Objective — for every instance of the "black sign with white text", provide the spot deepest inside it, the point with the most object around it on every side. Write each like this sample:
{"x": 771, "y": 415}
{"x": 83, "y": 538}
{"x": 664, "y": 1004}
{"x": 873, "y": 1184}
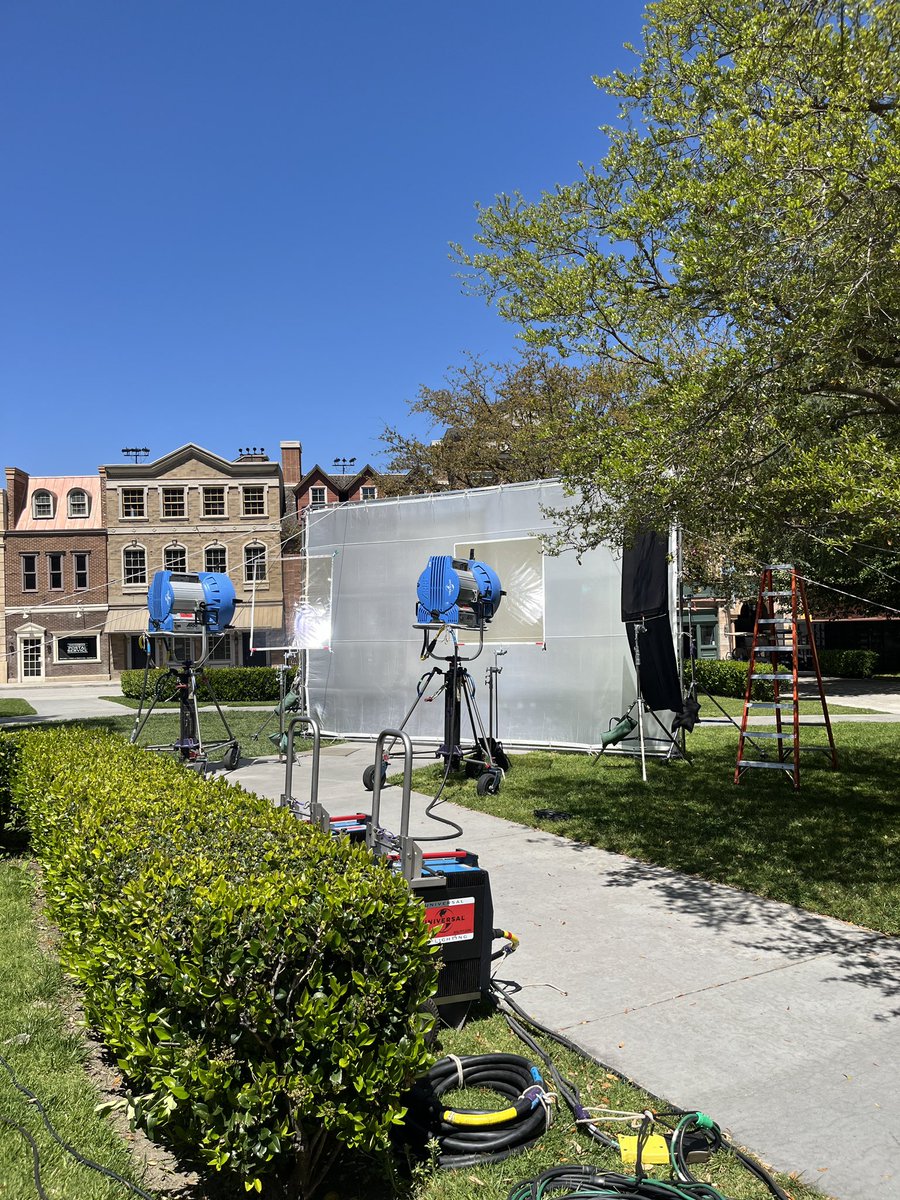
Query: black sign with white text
{"x": 78, "y": 647}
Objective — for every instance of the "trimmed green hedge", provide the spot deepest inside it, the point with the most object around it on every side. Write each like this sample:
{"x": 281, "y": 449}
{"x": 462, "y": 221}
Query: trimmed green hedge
{"x": 259, "y": 982}
{"x": 230, "y": 683}
{"x": 723, "y": 677}
{"x": 856, "y": 664}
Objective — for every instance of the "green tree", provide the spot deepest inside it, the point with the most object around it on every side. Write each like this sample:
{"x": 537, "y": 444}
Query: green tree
{"x": 737, "y": 250}
{"x": 497, "y": 423}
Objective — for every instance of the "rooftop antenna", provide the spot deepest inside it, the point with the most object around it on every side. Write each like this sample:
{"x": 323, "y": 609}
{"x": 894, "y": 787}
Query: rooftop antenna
{"x": 341, "y": 465}
{"x": 138, "y": 453}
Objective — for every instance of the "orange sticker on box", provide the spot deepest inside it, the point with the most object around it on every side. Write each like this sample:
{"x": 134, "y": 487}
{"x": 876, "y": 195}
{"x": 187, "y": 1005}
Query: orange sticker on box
{"x": 452, "y": 920}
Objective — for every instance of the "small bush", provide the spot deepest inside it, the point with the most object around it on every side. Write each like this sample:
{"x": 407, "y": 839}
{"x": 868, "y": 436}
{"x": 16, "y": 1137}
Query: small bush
{"x": 229, "y": 683}
{"x": 722, "y": 677}
{"x": 258, "y": 981}
{"x": 855, "y": 664}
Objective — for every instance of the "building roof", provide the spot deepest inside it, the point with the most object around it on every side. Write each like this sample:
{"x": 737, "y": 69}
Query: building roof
{"x": 59, "y": 487}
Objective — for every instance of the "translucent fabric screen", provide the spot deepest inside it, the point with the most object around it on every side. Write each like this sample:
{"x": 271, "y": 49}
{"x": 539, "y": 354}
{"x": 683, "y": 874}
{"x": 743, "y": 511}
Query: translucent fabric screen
{"x": 567, "y": 671}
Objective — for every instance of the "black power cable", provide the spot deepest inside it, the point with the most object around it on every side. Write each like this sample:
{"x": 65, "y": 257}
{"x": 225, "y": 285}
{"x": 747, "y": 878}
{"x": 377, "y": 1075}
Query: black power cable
{"x": 470, "y": 1137}
{"x": 80, "y": 1158}
{"x": 35, "y": 1157}
{"x": 688, "y": 1125}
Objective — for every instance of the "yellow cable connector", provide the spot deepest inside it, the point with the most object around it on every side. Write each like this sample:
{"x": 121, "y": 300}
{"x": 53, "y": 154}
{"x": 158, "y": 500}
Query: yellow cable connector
{"x": 655, "y": 1150}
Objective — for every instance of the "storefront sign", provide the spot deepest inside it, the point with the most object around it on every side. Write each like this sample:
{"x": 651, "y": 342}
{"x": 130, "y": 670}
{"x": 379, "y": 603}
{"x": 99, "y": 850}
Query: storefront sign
{"x": 78, "y": 648}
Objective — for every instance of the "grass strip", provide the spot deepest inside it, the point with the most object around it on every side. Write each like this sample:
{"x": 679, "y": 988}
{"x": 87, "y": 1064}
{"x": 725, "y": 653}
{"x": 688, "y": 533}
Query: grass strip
{"x": 14, "y": 706}
{"x": 49, "y": 1059}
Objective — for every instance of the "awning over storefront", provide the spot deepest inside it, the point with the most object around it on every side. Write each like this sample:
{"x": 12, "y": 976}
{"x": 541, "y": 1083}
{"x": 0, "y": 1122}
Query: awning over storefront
{"x": 126, "y": 620}
{"x": 265, "y": 616}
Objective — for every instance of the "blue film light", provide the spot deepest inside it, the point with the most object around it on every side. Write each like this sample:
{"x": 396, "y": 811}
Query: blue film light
{"x": 179, "y": 602}
{"x": 457, "y": 591}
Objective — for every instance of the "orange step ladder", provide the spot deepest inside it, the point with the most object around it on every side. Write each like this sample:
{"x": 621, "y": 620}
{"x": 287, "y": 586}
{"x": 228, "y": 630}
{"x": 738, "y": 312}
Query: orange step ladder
{"x": 775, "y": 639}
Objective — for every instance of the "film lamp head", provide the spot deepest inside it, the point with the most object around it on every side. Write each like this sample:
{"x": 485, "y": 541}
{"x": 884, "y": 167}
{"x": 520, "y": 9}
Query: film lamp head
{"x": 457, "y": 591}
{"x": 184, "y": 604}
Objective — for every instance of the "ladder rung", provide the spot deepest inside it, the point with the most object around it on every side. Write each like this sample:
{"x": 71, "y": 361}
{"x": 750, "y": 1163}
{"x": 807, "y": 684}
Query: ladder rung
{"x": 779, "y": 567}
{"x": 773, "y": 649}
{"x": 782, "y": 676}
{"x": 787, "y": 593}
{"x": 768, "y": 704}
{"x": 776, "y": 621}
{"x": 758, "y": 734}
{"x": 776, "y": 766}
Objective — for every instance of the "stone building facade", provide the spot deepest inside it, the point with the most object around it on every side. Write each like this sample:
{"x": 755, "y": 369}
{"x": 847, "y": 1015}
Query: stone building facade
{"x": 194, "y": 511}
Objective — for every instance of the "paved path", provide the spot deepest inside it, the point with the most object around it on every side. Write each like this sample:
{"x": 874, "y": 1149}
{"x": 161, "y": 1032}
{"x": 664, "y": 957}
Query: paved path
{"x": 783, "y": 1025}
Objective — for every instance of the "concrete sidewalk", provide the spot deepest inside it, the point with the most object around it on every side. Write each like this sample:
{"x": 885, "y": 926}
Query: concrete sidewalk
{"x": 783, "y": 1025}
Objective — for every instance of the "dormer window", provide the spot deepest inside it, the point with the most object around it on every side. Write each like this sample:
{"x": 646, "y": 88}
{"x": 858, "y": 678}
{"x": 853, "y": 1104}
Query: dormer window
{"x": 42, "y": 505}
{"x": 79, "y": 505}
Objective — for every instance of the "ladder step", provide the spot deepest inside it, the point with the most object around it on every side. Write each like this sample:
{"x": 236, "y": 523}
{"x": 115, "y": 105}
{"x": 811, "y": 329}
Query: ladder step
{"x": 782, "y": 676}
{"x": 772, "y": 766}
{"x": 787, "y": 593}
{"x": 774, "y": 649}
{"x": 775, "y": 621}
{"x": 756, "y": 733}
{"x": 779, "y": 567}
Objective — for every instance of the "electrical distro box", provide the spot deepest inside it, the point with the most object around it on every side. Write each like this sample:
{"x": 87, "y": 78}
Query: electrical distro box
{"x": 456, "y": 893}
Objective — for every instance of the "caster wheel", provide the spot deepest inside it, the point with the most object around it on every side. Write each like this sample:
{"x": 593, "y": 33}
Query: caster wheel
{"x": 369, "y": 777}
{"x": 488, "y": 784}
{"x": 232, "y": 756}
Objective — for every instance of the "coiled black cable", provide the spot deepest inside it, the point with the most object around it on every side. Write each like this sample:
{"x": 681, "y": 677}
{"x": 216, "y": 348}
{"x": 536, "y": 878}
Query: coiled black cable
{"x": 594, "y": 1183}
{"x": 467, "y": 1137}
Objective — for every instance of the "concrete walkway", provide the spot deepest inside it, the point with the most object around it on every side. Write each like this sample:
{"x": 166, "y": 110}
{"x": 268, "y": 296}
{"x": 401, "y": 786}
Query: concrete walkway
{"x": 783, "y": 1025}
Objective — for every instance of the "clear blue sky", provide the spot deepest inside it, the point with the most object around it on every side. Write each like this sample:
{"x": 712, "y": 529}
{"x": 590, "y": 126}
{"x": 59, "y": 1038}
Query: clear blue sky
{"x": 227, "y": 221}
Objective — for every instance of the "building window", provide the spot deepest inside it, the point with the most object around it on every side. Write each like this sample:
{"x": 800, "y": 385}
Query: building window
{"x": 29, "y": 572}
{"x": 80, "y": 562}
{"x": 173, "y": 502}
{"x": 134, "y": 502}
{"x": 214, "y": 502}
{"x": 134, "y": 563}
{"x": 184, "y": 649}
{"x": 254, "y": 563}
{"x": 254, "y": 501}
{"x": 215, "y": 558}
{"x": 42, "y": 505}
{"x": 175, "y": 559}
{"x": 55, "y": 572}
{"x": 369, "y": 493}
{"x": 79, "y": 505}
{"x": 317, "y": 497}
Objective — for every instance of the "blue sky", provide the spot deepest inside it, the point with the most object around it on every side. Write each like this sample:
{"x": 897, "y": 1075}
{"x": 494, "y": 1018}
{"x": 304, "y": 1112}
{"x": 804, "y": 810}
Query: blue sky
{"x": 227, "y": 221}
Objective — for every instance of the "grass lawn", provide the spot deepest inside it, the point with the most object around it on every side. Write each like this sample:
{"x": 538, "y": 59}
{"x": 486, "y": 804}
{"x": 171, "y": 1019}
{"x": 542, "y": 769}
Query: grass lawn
{"x": 735, "y": 708}
{"x": 47, "y": 1058}
{"x": 130, "y": 702}
{"x": 14, "y": 707}
{"x": 833, "y": 847}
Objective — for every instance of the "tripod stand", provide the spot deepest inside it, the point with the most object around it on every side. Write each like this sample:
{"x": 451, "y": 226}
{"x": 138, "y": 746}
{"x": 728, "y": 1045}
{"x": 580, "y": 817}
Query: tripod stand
{"x": 485, "y": 757}
{"x": 189, "y": 746}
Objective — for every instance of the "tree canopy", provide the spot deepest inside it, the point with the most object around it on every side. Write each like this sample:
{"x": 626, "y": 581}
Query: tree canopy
{"x": 736, "y": 251}
{"x": 498, "y": 423}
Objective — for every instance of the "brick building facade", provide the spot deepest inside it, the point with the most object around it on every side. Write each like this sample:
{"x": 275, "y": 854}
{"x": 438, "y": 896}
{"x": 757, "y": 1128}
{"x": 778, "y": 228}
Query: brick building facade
{"x": 55, "y": 578}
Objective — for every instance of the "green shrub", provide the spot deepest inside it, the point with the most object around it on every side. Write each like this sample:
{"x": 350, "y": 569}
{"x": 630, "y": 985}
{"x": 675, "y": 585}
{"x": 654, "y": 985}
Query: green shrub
{"x": 856, "y": 664}
{"x": 8, "y": 754}
{"x": 259, "y": 982}
{"x": 230, "y": 683}
{"x": 723, "y": 677}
